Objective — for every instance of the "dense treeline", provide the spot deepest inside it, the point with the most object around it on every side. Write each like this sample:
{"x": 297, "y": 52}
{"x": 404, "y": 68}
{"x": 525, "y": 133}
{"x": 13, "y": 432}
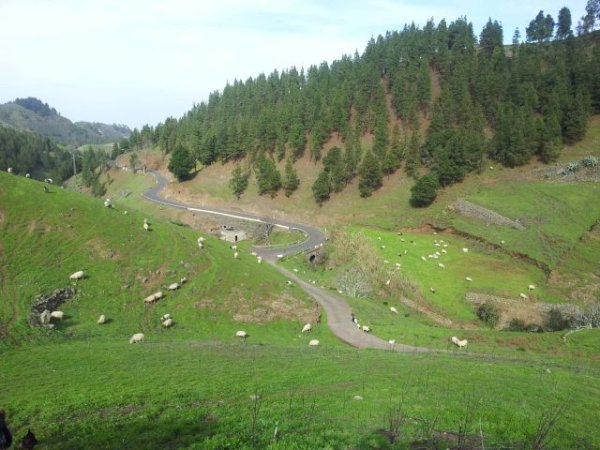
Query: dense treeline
{"x": 31, "y": 153}
{"x": 438, "y": 99}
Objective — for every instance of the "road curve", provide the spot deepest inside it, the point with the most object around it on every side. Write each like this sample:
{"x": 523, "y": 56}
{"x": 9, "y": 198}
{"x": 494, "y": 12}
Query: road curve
{"x": 337, "y": 309}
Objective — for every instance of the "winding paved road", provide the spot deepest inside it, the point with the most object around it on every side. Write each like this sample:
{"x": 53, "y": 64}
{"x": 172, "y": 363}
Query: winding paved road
{"x": 337, "y": 310}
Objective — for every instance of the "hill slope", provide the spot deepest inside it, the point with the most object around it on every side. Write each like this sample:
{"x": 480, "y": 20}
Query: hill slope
{"x": 195, "y": 386}
{"x": 33, "y": 115}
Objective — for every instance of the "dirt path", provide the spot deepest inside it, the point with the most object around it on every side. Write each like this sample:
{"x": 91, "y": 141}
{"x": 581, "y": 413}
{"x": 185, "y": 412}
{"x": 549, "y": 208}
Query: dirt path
{"x": 337, "y": 309}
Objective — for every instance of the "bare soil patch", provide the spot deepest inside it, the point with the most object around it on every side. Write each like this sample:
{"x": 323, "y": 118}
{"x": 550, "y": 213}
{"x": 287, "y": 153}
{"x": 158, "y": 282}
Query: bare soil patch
{"x": 101, "y": 250}
{"x": 250, "y": 309}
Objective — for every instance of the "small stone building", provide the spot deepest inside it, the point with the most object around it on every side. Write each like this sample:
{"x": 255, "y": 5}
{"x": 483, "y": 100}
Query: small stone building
{"x": 230, "y": 234}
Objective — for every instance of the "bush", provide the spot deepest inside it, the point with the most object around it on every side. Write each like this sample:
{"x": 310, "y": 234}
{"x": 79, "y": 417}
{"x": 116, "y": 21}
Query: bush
{"x": 556, "y": 321}
{"x": 488, "y": 313}
{"x": 589, "y": 161}
{"x": 517, "y": 325}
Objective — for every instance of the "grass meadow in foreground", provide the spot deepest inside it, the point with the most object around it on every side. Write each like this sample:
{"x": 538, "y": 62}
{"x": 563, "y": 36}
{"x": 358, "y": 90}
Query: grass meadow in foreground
{"x": 102, "y": 393}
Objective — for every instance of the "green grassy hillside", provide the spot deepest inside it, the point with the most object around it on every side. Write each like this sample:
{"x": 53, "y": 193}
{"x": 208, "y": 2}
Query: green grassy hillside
{"x": 83, "y": 385}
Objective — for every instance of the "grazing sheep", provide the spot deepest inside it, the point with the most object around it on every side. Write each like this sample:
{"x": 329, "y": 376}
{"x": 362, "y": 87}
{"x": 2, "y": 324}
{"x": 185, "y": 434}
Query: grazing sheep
{"x": 366, "y": 329}
{"x": 125, "y": 212}
{"x": 173, "y": 286}
{"x": 77, "y": 275}
{"x": 9, "y": 170}
{"x": 200, "y": 245}
{"x": 468, "y": 278}
{"x": 165, "y": 317}
{"x": 146, "y": 226}
{"x": 233, "y": 247}
{"x": 459, "y": 343}
{"x": 201, "y": 239}
{"x": 101, "y": 320}
{"x": 167, "y": 323}
{"x": 441, "y": 266}
{"x": 137, "y": 338}
{"x": 279, "y": 256}
{"x": 307, "y": 328}
{"x": 153, "y": 298}
{"x": 57, "y": 315}
{"x": 387, "y": 283}
{"x": 531, "y": 287}
{"x": 27, "y": 175}
{"x": 523, "y": 296}
{"x": 236, "y": 255}
{"x": 393, "y": 309}
{"x": 48, "y": 180}
{"x": 259, "y": 260}
{"x": 423, "y": 258}
{"x": 465, "y": 250}
{"x": 289, "y": 282}
{"x": 108, "y": 203}
{"x": 502, "y": 242}
{"x": 357, "y": 397}
{"x": 241, "y": 334}
{"x": 444, "y": 251}
{"x": 432, "y": 290}
{"x": 392, "y": 342}
{"x": 183, "y": 280}
{"x": 314, "y": 343}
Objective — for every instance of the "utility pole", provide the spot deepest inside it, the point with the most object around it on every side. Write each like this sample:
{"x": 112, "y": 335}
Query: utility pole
{"x": 74, "y": 165}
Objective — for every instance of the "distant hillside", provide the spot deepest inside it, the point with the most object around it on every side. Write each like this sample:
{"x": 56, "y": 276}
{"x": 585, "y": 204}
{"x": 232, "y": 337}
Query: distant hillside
{"x": 435, "y": 101}
{"x": 34, "y": 115}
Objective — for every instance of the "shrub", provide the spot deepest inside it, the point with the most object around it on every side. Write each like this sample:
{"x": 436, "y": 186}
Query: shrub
{"x": 556, "y": 321}
{"x": 589, "y": 161}
{"x": 517, "y": 325}
{"x": 488, "y": 313}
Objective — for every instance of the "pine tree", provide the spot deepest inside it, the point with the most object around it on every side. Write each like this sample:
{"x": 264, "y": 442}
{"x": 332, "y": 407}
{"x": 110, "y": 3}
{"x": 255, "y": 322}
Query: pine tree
{"x": 370, "y": 175}
{"x": 424, "y": 191}
{"x": 321, "y": 187}
{"x": 239, "y": 181}
{"x": 290, "y": 180}
{"x": 181, "y": 163}
{"x": 413, "y": 155}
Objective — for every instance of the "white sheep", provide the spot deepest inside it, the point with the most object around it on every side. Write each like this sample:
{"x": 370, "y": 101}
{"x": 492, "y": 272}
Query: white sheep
{"x": 259, "y": 260}
{"x": 146, "y": 226}
{"x": 392, "y": 342}
{"x": 167, "y": 323}
{"x": 233, "y": 247}
{"x": 241, "y": 334}
{"x": 459, "y": 343}
{"x": 201, "y": 239}
{"x": 523, "y": 296}
{"x": 27, "y": 175}
{"x": 531, "y": 287}
{"x": 183, "y": 280}
{"x": 314, "y": 343}
{"x": 387, "y": 283}
{"x": 468, "y": 278}
{"x": 465, "y": 250}
{"x": 173, "y": 286}
{"x": 77, "y": 275}
{"x": 153, "y": 298}
{"x": 137, "y": 338}
{"x": 307, "y": 328}
{"x": 423, "y": 258}
{"x": 9, "y": 170}
{"x": 366, "y": 329}
{"x": 57, "y": 315}
{"x": 101, "y": 320}
{"x": 236, "y": 255}
{"x": 125, "y": 212}
{"x": 289, "y": 283}
{"x": 48, "y": 180}
{"x": 108, "y": 203}
{"x": 441, "y": 265}
{"x": 165, "y": 317}
{"x": 502, "y": 242}
{"x": 432, "y": 290}
{"x": 393, "y": 309}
